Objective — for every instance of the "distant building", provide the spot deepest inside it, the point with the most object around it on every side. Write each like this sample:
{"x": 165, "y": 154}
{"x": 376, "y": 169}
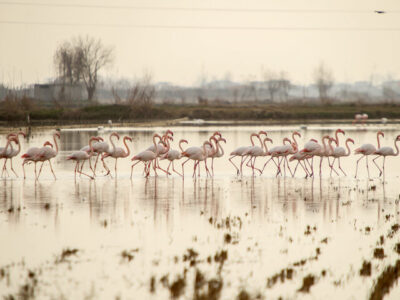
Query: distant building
{"x": 59, "y": 91}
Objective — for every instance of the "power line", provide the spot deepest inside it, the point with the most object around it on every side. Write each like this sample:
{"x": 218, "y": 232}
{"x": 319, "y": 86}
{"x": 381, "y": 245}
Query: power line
{"x": 156, "y": 26}
{"x": 191, "y": 9}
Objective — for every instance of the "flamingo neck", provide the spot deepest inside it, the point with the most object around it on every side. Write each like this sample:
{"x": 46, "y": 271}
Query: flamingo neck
{"x": 128, "y": 151}
{"x": 337, "y": 138}
{"x": 204, "y": 148}
{"x": 6, "y": 147}
{"x": 397, "y": 148}
{"x": 222, "y": 149}
{"x": 377, "y": 137}
{"x": 348, "y": 148}
{"x": 265, "y": 146}
{"x": 155, "y": 144}
{"x": 91, "y": 147}
{"x": 323, "y": 143}
{"x": 112, "y": 143}
{"x": 294, "y": 139}
{"x": 251, "y": 138}
{"x": 55, "y": 142}
{"x": 180, "y": 145}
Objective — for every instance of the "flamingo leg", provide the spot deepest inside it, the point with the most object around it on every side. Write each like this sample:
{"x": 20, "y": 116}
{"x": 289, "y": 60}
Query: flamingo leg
{"x": 358, "y": 160}
{"x": 80, "y": 172}
{"x": 40, "y": 170}
{"x": 304, "y": 168}
{"x": 212, "y": 166}
{"x": 341, "y": 168}
{"x": 95, "y": 164}
{"x": 366, "y": 159}
{"x": 158, "y": 167}
{"x": 287, "y": 163}
{"x": 23, "y": 168}
{"x": 183, "y": 169}
{"x": 380, "y": 171}
{"x": 169, "y": 165}
{"x": 207, "y": 170}
{"x": 331, "y": 166}
{"x": 133, "y": 166}
{"x": 36, "y": 178}
{"x": 237, "y": 169}
{"x": 52, "y": 171}
{"x": 173, "y": 169}
{"x": 320, "y": 166}
{"x": 383, "y": 167}
{"x": 12, "y": 169}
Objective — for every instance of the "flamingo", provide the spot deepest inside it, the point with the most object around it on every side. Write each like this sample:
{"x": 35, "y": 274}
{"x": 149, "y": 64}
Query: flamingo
{"x": 214, "y": 152}
{"x": 6, "y": 152}
{"x": 162, "y": 146}
{"x": 147, "y": 157}
{"x": 286, "y": 150}
{"x": 197, "y": 154}
{"x": 172, "y": 155}
{"x": 87, "y": 150}
{"x": 386, "y": 151}
{"x": 339, "y": 152}
{"x": 118, "y": 152}
{"x": 336, "y": 140}
{"x": 366, "y": 150}
{"x": 240, "y": 152}
{"x": 219, "y": 151}
{"x": 277, "y": 152}
{"x": 360, "y": 118}
{"x": 13, "y": 152}
{"x": 255, "y": 152}
{"x": 101, "y": 147}
{"x": 311, "y": 148}
{"x": 300, "y": 157}
{"x": 79, "y": 156}
{"x": 31, "y": 155}
{"x": 47, "y": 153}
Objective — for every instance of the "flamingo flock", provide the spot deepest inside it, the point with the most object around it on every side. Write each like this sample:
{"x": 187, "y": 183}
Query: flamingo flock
{"x": 278, "y": 157}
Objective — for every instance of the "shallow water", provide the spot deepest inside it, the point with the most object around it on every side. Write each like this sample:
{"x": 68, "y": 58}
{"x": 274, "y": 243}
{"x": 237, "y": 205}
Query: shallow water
{"x": 325, "y": 227}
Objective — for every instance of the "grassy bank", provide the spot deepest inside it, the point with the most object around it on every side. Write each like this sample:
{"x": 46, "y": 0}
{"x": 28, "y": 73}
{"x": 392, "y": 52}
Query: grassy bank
{"x": 95, "y": 114}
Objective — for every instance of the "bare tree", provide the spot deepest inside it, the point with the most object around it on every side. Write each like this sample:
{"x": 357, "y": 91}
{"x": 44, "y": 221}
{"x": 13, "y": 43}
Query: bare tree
{"x": 81, "y": 60}
{"x": 272, "y": 84}
{"x": 141, "y": 97}
{"x": 323, "y": 79}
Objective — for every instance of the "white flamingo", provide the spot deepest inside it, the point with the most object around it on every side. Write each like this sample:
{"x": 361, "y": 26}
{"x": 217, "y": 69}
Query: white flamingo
{"x": 241, "y": 150}
{"x": 255, "y": 152}
{"x": 31, "y": 155}
{"x": 146, "y": 157}
{"x": 197, "y": 154}
{"x": 118, "y": 152}
{"x": 339, "y": 152}
{"x": 366, "y": 150}
{"x": 173, "y": 155}
{"x": 80, "y": 156}
{"x": 9, "y": 155}
{"x": 386, "y": 151}
{"x": 7, "y": 151}
{"x": 47, "y": 153}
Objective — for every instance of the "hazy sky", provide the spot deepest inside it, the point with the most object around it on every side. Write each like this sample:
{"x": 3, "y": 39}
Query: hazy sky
{"x": 181, "y": 55}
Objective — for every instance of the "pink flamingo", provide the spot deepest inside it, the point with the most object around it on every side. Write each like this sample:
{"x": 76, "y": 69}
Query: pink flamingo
{"x": 255, "y": 152}
{"x": 101, "y": 147}
{"x": 288, "y": 149}
{"x": 360, "y": 118}
{"x": 79, "y": 156}
{"x": 197, "y": 154}
{"x": 162, "y": 147}
{"x": 241, "y": 150}
{"x": 386, "y": 151}
{"x": 47, "y": 153}
{"x": 119, "y": 152}
{"x": 276, "y": 152}
{"x": 311, "y": 148}
{"x": 339, "y": 152}
{"x": 6, "y": 152}
{"x": 147, "y": 157}
{"x": 172, "y": 155}
{"x": 214, "y": 152}
{"x": 300, "y": 157}
{"x": 366, "y": 150}
{"x": 32, "y": 156}
{"x": 87, "y": 150}
{"x": 14, "y": 152}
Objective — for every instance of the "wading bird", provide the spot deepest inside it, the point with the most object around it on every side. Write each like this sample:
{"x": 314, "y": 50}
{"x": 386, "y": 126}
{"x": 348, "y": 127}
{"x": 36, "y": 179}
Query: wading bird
{"x": 118, "y": 152}
{"x": 386, "y": 151}
{"x": 80, "y": 156}
{"x": 47, "y": 153}
{"x": 366, "y": 150}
